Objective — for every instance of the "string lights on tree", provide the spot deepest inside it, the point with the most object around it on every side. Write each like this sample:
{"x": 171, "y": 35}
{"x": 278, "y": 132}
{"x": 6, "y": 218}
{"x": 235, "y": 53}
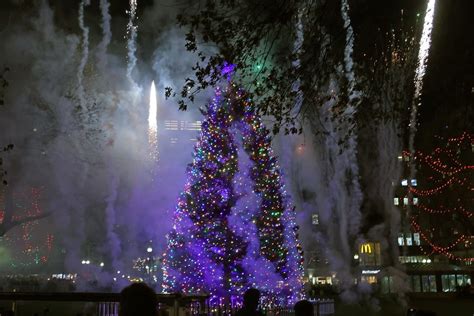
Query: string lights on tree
{"x": 36, "y": 245}
{"x": 234, "y": 226}
{"x": 443, "y": 217}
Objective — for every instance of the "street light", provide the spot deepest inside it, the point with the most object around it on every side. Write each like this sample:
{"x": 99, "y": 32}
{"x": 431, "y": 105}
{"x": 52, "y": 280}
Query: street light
{"x": 149, "y": 249}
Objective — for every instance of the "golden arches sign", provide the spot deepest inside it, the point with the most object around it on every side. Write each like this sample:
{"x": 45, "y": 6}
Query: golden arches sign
{"x": 365, "y": 248}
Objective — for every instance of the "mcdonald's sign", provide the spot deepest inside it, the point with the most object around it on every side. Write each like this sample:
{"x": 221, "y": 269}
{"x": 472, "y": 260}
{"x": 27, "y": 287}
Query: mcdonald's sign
{"x": 366, "y": 248}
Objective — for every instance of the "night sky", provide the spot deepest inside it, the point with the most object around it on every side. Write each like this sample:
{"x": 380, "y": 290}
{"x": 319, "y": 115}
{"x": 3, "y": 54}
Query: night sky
{"x": 447, "y": 100}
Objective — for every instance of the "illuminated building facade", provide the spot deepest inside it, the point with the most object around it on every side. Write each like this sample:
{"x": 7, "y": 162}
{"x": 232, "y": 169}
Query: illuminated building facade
{"x": 435, "y": 248}
{"x": 436, "y": 239}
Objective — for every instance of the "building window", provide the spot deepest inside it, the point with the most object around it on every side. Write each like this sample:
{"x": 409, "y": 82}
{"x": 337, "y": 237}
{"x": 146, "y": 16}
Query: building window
{"x": 409, "y": 240}
{"x": 405, "y": 201}
{"x": 416, "y": 239}
{"x": 371, "y": 279}
{"x": 401, "y": 241}
{"x": 448, "y": 282}
{"x": 415, "y": 201}
{"x": 387, "y": 285}
{"x": 404, "y": 182}
{"x": 369, "y": 254}
{"x": 415, "y": 283}
{"x": 414, "y": 259}
{"x": 171, "y": 125}
{"x": 465, "y": 280}
{"x": 322, "y": 280}
{"x": 395, "y": 201}
{"x": 315, "y": 219}
{"x": 428, "y": 283}
{"x": 413, "y": 182}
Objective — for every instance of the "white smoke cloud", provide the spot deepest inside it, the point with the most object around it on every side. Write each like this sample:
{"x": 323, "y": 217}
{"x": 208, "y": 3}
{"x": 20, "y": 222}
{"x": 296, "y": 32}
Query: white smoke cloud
{"x": 93, "y": 164}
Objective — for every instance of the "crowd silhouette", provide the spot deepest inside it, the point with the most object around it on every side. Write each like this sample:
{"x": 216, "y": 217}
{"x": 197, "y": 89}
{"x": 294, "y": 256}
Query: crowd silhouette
{"x": 139, "y": 299}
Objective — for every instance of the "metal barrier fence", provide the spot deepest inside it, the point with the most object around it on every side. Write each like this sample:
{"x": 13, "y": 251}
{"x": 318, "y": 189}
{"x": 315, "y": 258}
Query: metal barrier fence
{"x": 94, "y": 304}
{"x": 323, "y": 307}
{"x": 107, "y": 304}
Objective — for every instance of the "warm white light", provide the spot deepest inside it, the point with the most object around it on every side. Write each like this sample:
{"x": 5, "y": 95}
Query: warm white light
{"x": 356, "y": 257}
{"x": 101, "y": 264}
{"x": 425, "y": 44}
{"x": 149, "y": 249}
{"x": 152, "y": 124}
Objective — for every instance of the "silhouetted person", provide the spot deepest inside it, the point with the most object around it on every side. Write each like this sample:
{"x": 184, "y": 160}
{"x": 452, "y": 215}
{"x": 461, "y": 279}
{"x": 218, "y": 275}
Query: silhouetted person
{"x": 138, "y": 299}
{"x": 251, "y": 300}
{"x": 304, "y": 308}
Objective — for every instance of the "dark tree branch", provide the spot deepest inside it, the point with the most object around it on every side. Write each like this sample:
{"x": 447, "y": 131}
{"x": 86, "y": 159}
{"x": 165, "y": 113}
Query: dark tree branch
{"x": 9, "y": 223}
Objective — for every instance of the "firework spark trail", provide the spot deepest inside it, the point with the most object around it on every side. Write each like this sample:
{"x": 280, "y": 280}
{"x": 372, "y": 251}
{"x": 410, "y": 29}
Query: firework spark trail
{"x": 297, "y": 63}
{"x": 335, "y": 204}
{"x": 342, "y": 171}
{"x": 85, "y": 52}
{"x": 355, "y": 193}
{"x": 106, "y": 32}
{"x": 131, "y": 43}
{"x": 152, "y": 124}
{"x": 349, "y": 49}
{"x": 425, "y": 44}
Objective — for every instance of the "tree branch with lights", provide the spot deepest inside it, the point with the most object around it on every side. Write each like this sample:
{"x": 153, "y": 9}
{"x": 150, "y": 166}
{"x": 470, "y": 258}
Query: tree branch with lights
{"x": 444, "y": 197}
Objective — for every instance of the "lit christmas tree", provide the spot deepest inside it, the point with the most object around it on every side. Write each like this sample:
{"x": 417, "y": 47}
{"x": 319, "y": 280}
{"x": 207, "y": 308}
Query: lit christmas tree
{"x": 443, "y": 199}
{"x": 234, "y": 227}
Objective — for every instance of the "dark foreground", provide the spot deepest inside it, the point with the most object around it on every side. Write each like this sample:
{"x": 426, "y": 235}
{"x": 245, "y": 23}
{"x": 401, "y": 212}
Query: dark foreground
{"x": 442, "y": 304}
{"x": 92, "y": 304}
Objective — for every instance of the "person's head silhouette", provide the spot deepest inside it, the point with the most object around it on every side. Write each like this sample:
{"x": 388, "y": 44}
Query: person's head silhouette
{"x": 138, "y": 299}
{"x": 304, "y": 308}
{"x": 251, "y": 299}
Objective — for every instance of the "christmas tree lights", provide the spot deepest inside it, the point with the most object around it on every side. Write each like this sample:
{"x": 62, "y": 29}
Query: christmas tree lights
{"x": 234, "y": 227}
{"x": 36, "y": 245}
